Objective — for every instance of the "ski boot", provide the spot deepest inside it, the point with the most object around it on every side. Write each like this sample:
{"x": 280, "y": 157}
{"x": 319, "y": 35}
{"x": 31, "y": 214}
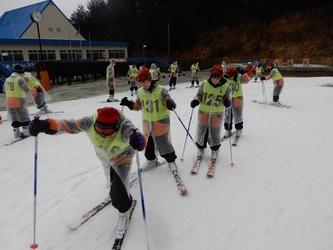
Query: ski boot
{"x": 196, "y": 164}
{"x": 212, "y": 166}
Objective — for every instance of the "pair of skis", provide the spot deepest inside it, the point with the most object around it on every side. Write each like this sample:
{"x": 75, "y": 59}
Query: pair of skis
{"x": 210, "y": 171}
{"x": 16, "y": 140}
{"x": 179, "y": 182}
{"x": 234, "y": 141}
{"x": 274, "y": 104}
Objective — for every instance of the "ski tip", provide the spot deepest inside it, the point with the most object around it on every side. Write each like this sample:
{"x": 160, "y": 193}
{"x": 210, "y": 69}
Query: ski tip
{"x": 34, "y": 246}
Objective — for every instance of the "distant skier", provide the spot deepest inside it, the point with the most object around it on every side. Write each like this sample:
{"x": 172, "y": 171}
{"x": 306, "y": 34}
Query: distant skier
{"x": 132, "y": 74}
{"x": 114, "y": 138}
{"x": 212, "y": 98}
{"x": 236, "y": 78}
{"x": 155, "y": 72}
{"x": 259, "y": 72}
{"x": 155, "y": 103}
{"x": 173, "y": 75}
{"x": 16, "y": 88}
{"x": 111, "y": 80}
{"x": 39, "y": 94}
{"x": 195, "y": 74}
{"x": 278, "y": 82}
{"x": 249, "y": 69}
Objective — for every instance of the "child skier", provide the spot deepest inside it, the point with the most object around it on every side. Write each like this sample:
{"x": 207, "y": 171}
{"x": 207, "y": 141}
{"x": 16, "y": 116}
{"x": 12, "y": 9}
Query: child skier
{"x": 236, "y": 78}
{"x": 155, "y": 72}
{"x": 114, "y": 138}
{"x": 212, "y": 98}
{"x": 278, "y": 82}
{"x": 38, "y": 93}
{"x": 173, "y": 75}
{"x": 195, "y": 72}
{"x": 111, "y": 80}
{"x": 155, "y": 103}
{"x": 15, "y": 88}
{"x": 132, "y": 74}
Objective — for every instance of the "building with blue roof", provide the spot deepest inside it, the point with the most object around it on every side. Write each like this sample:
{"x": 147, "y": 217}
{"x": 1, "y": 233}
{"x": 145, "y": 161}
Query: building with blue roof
{"x": 60, "y": 39}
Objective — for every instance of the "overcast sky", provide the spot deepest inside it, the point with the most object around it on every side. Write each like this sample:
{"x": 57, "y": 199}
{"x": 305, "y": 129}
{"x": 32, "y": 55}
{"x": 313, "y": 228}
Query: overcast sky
{"x": 66, "y": 6}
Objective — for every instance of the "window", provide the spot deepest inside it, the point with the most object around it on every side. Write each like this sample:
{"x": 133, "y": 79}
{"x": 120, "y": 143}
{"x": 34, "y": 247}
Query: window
{"x": 95, "y": 54}
{"x": 58, "y": 29}
{"x": 11, "y": 55}
{"x": 117, "y": 53}
{"x": 34, "y": 55}
{"x": 51, "y": 29}
{"x": 74, "y": 55}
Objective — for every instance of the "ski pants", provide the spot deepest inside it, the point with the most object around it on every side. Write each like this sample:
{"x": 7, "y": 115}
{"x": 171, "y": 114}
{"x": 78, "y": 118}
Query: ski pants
{"x": 150, "y": 152}
{"x": 235, "y": 114}
{"x": 119, "y": 191}
{"x": 214, "y": 148}
{"x": 276, "y": 92}
{"x": 173, "y": 81}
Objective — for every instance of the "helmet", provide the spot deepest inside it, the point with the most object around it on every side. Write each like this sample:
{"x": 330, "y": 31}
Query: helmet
{"x": 216, "y": 70}
{"x": 143, "y": 75}
{"x": 231, "y": 71}
{"x": 18, "y": 68}
{"x": 108, "y": 118}
{"x": 153, "y": 65}
{"x": 112, "y": 61}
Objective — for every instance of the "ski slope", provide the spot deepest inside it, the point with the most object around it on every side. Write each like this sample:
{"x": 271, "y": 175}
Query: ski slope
{"x": 278, "y": 196}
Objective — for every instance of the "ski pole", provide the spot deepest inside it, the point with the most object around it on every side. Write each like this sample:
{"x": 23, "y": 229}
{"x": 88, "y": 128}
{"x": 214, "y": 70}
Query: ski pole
{"x": 188, "y": 129}
{"x": 142, "y": 198}
{"x": 188, "y": 132}
{"x": 34, "y": 245}
{"x": 230, "y": 146}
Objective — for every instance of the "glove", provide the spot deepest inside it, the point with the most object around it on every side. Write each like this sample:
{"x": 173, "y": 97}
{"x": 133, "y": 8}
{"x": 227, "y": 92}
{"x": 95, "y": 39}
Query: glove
{"x": 171, "y": 105}
{"x": 194, "y": 103}
{"x": 37, "y": 126}
{"x": 137, "y": 141}
{"x": 226, "y": 102}
{"x": 262, "y": 78}
{"x": 126, "y": 102}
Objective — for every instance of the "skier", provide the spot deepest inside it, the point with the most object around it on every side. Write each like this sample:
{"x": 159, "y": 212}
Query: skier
{"x": 259, "y": 72}
{"x": 114, "y": 138}
{"x": 236, "y": 78}
{"x": 111, "y": 80}
{"x": 195, "y": 71}
{"x": 38, "y": 93}
{"x": 278, "y": 82}
{"x": 173, "y": 75}
{"x": 212, "y": 98}
{"x": 155, "y": 103}
{"x": 132, "y": 74}
{"x": 249, "y": 69}
{"x": 15, "y": 88}
{"x": 155, "y": 72}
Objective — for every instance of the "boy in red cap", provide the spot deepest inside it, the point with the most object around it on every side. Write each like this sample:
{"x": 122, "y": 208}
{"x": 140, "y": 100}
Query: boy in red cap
{"x": 114, "y": 138}
{"x": 155, "y": 103}
{"x": 212, "y": 98}
{"x": 236, "y": 78}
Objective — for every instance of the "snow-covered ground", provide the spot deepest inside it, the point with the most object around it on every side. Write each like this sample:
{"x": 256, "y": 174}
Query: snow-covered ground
{"x": 278, "y": 196}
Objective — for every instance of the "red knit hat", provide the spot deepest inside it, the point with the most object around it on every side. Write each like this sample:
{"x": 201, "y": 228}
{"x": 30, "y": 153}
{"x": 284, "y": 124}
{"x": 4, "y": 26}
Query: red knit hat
{"x": 216, "y": 70}
{"x": 108, "y": 117}
{"x": 144, "y": 75}
{"x": 231, "y": 71}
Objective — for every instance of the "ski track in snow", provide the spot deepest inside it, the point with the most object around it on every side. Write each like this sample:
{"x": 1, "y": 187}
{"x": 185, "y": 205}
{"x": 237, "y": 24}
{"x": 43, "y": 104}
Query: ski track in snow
{"x": 277, "y": 196}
